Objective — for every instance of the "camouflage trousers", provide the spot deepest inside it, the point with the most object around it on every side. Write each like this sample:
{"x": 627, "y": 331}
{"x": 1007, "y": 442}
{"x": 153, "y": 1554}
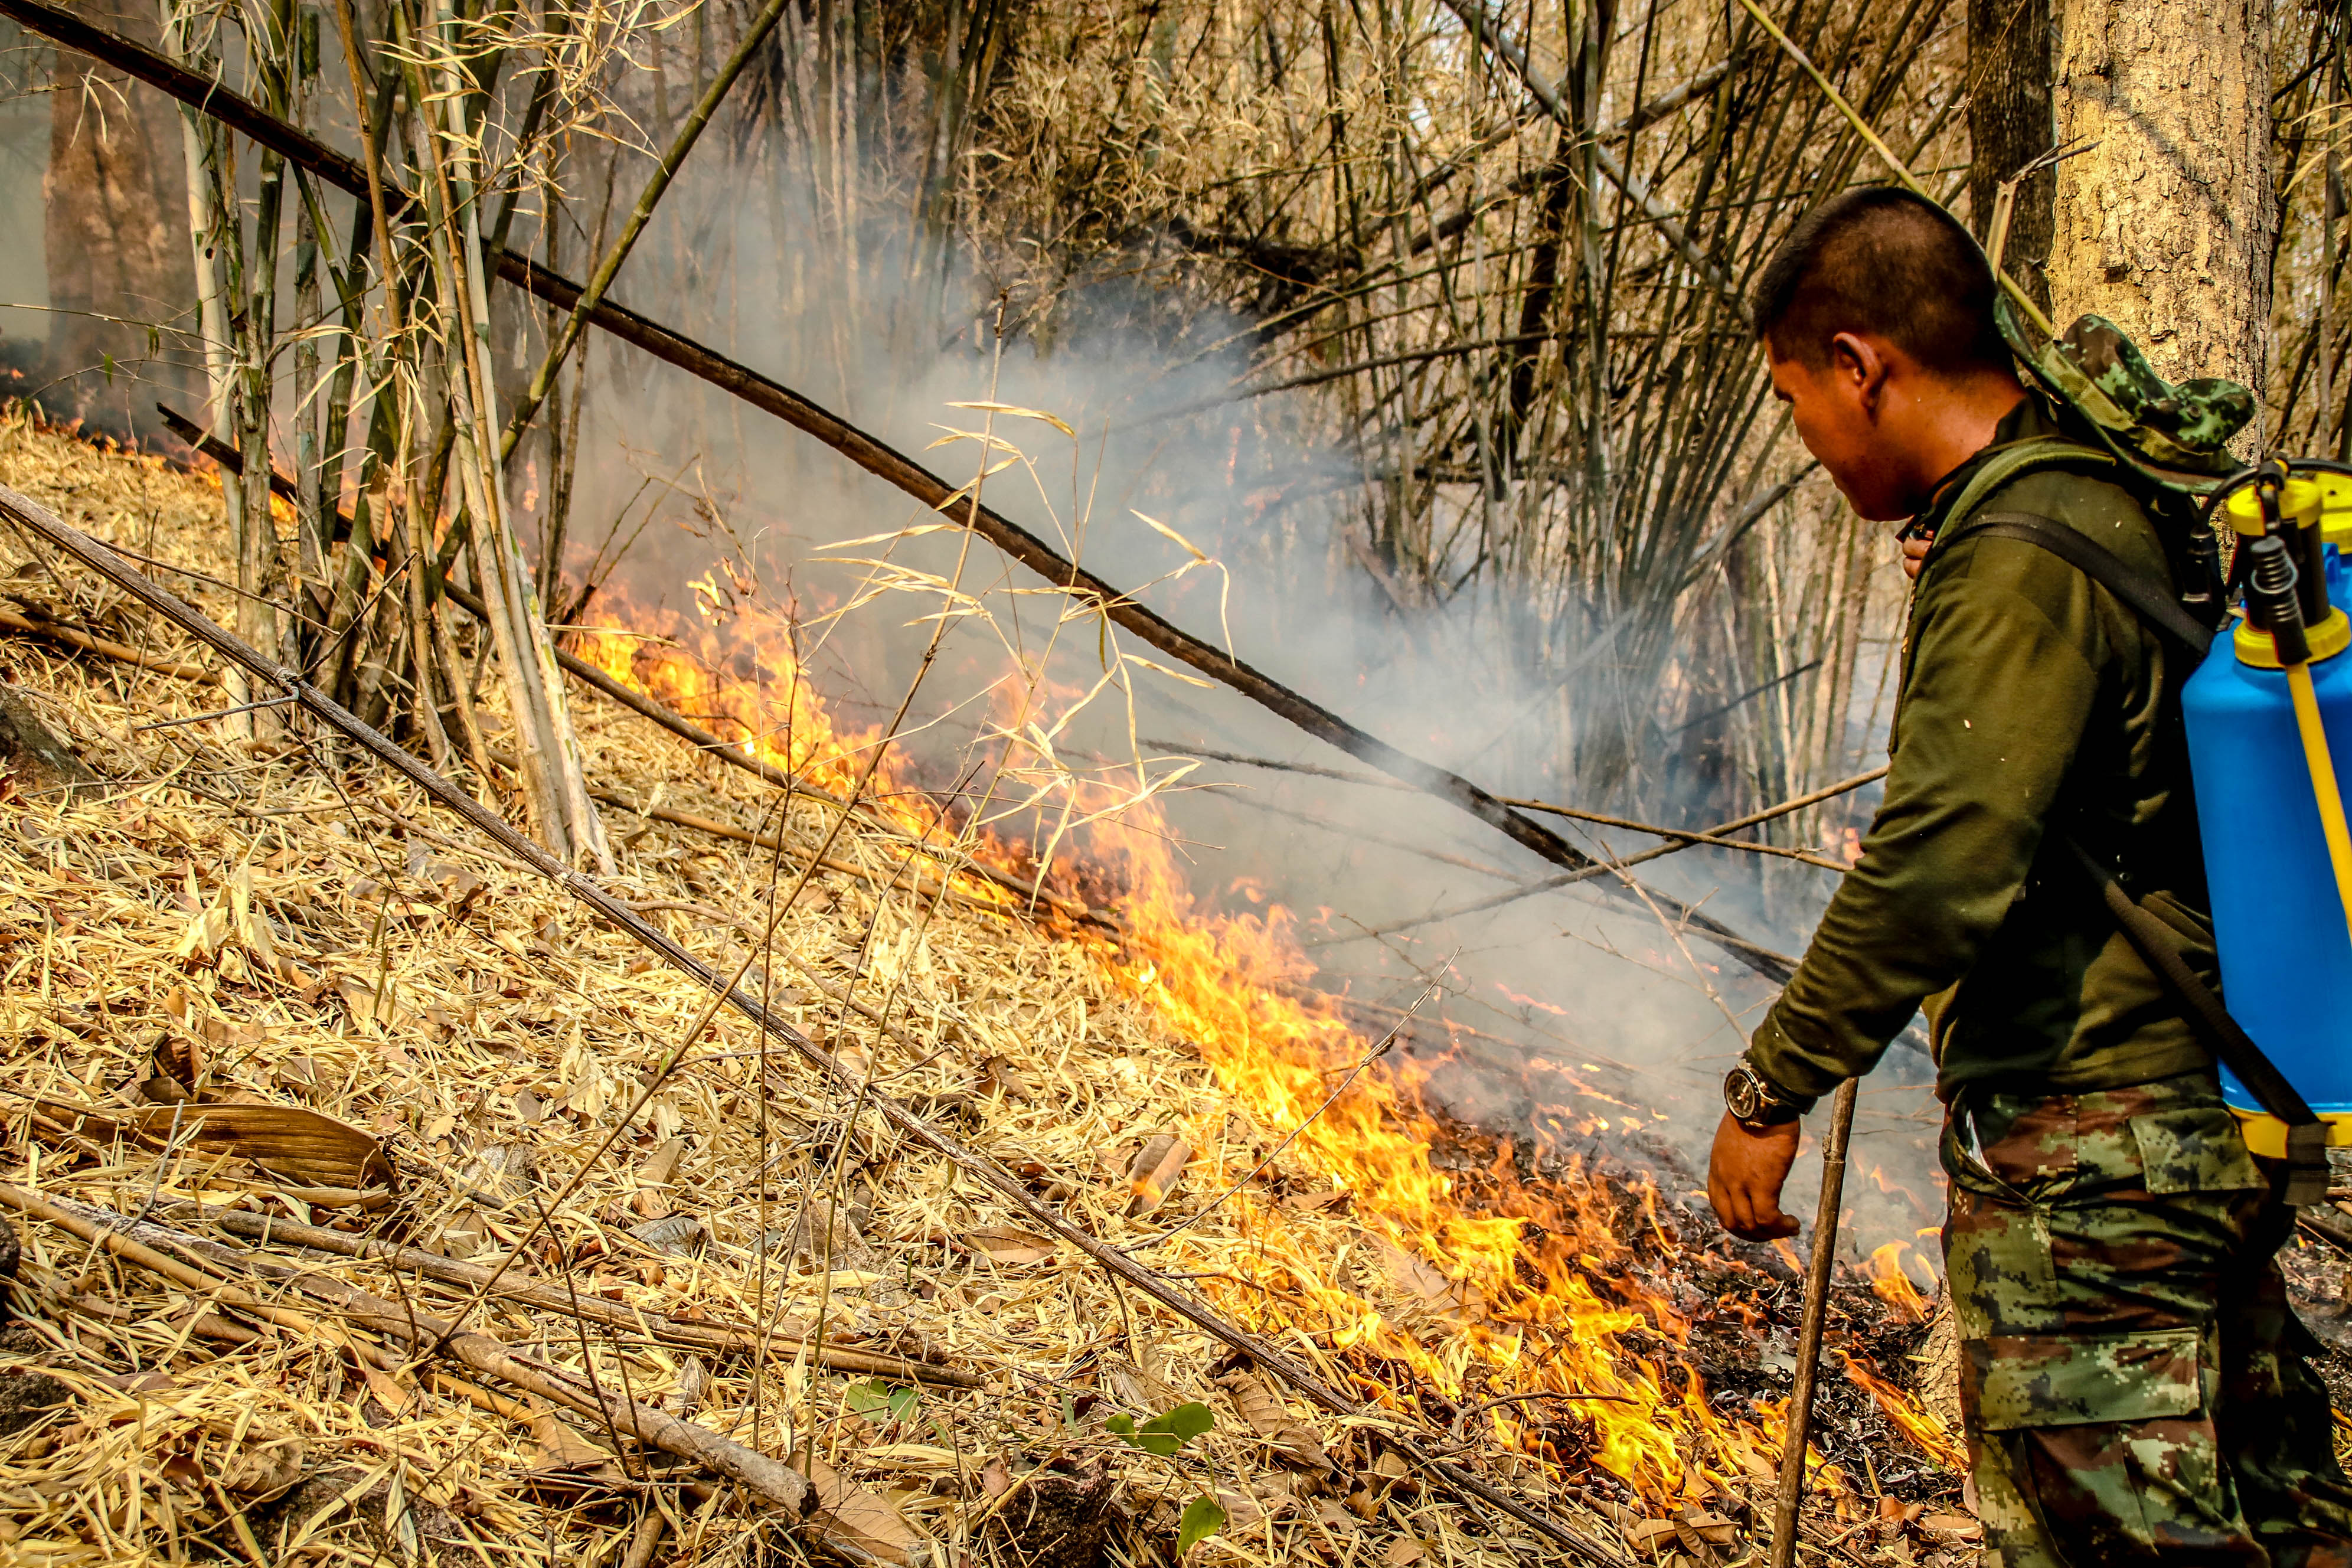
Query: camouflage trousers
{"x": 2132, "y": 1376}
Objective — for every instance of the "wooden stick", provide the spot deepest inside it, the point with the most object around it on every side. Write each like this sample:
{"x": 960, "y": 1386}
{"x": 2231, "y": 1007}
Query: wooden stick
{"x": 771, "y": 1478}
{"x": 595, "y": 1309}
{"x": 25, "y": 626}
{"x": 648, "y": 1539}
{"x": 188, "y": 1276}
{"x": 1808, "y": 1329}
{"x": 94, "y": 556}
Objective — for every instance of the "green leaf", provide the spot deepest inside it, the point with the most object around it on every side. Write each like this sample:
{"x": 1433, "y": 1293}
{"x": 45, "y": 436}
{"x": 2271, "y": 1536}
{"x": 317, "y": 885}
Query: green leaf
{"x": 1165, "y": 1435}
{"x": 1184, "y": 1423}
{"x": 877, "y": 1400}
{"x": 1202, "y": 1517}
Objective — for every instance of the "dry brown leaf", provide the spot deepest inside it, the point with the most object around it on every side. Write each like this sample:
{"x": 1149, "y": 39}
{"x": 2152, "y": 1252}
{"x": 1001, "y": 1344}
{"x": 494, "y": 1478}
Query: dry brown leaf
{"x": 561, "y": 1448}
{"x": 662, "y": 1163}
{"x": 204, "y": 937}
{"x": 455, "y": 885}
{"x": 265, "y": 1463}
{"x": 290, "y": 1141}
{"x": 360, "y": 999}
{"x": 678, "y": 1235}
{"x": 1953, "y": 1526}
{"x": 388, "y": 1393}
{"x": 1156, "y": 1171}
{"x": 999, "y": 1076}
{"x": 1003, "y": 1244}
{"x": 1709, "y": 1529}
{"x": 1404, "y": 1553}
{"x": 1417, "y": 1277}
{"x": 848, "y": 1512}
{"x": 687, "y": 1395}
{"x": 1265, "y": 1416}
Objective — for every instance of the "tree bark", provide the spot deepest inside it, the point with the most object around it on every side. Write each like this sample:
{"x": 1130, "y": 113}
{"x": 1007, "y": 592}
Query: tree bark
{"x": 2165, "y": 225}
{"x": 112, "y": 194}
{"x": 2012, "y": 120}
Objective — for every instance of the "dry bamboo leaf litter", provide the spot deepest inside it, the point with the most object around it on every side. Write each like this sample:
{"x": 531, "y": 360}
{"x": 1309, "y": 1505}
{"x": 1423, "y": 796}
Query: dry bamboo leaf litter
{"x": 273, "y": 930}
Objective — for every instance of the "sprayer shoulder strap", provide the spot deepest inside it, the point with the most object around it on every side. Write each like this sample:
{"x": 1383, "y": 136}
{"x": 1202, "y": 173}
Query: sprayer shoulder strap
{"x": 2153, "y": 601}
{"x": 2015, "y": 459}
{"x": 2306, "y": 1176}
{"x": 2306, "y": 1135}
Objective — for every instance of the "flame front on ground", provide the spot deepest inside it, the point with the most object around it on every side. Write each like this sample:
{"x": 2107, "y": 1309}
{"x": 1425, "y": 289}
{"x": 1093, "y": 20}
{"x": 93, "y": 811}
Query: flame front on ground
{"x": 1534, "y": 1289}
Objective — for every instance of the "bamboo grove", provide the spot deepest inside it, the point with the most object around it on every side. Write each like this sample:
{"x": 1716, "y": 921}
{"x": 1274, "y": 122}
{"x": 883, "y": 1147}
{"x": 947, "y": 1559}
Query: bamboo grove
{"x": 1491, "y": 255}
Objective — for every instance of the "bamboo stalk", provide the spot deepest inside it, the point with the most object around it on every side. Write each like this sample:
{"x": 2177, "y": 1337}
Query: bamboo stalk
{"x": 527, "y": 407}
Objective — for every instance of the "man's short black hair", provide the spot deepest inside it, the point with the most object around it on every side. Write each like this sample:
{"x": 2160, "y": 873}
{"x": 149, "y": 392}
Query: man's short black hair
{"x": 1881, "y": 259}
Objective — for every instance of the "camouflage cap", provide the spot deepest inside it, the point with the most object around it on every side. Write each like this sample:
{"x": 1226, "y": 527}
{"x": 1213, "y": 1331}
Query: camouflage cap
{"x": 2198, "y": 415}
{"x": 2097, "y": 369}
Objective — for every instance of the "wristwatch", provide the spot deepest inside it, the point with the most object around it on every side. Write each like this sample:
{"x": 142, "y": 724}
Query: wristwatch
{"x": 1753, "y": 1100}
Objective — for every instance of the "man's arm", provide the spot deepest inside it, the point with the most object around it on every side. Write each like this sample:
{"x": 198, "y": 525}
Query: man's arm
{"x": 2004, "y": 676}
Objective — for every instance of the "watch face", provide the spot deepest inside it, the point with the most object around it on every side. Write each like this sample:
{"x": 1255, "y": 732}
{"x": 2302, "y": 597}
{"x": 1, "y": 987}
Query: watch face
{"x": 1739, "y": 1096}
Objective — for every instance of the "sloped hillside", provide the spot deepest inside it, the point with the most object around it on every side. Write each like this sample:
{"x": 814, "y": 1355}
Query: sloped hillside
{"x": 271, "y": 1018}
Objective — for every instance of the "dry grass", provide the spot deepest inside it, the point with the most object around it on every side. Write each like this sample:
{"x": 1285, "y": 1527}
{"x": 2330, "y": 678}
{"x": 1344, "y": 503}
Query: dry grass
{"x": 265, "y": 923}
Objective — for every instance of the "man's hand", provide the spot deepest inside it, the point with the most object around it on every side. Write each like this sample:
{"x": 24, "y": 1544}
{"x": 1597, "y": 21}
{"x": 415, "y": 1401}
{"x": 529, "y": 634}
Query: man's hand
{"x": 1915, "y": 554}
{"x": 1743, "y": 1176}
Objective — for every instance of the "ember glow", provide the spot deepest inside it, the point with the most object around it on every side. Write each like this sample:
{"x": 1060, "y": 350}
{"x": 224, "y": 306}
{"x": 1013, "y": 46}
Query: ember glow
{"x": 1552, "y": 1287}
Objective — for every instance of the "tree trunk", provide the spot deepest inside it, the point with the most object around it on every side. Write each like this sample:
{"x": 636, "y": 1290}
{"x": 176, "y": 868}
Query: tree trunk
{"x": 2012, "y": 120}
{"x": 114, "y": 193}
{"x": 2165, "y": 225}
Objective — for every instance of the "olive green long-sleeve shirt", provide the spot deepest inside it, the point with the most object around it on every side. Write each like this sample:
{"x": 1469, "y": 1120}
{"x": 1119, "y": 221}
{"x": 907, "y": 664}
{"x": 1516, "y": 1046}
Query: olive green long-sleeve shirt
{"x": 2033, "y": 705}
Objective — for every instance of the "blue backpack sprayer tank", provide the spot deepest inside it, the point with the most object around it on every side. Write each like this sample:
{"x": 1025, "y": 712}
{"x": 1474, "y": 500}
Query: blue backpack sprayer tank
{"x": 2267, "y": 711}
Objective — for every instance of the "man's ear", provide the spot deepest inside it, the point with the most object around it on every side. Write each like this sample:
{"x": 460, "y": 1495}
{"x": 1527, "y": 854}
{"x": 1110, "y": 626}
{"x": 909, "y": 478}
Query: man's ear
{"x": 1860, "y": 367}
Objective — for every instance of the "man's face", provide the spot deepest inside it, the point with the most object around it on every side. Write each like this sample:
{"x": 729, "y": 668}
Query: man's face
{"x": 1837, "y": 410}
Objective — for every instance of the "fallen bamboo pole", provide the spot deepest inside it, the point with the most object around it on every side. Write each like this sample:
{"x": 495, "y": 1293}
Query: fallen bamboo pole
{"x": 717, "y": 1337}
{"x": 1688, "y": 836}
{"x": 96, "y": 557}
{"x": 887, "y": 463}
{"x": 188, "y": 1276}
{"x": 1570, "y": 878}
{"x": 770, "y": 1478}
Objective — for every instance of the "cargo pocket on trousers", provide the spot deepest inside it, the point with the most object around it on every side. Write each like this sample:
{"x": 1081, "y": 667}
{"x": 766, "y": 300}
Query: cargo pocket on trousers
{"x": 2194, "y": 1149}
{"x": 2026, "y": 1381}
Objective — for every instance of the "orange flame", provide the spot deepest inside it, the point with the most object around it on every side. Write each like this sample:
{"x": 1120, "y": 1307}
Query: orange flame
{"x": 1888, "y": 1278}
{"x": 1507, "y": 1286}
{"x": 1915, "y": 1421}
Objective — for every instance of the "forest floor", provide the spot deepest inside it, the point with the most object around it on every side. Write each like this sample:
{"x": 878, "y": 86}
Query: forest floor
{"x": 262, "y": 1002}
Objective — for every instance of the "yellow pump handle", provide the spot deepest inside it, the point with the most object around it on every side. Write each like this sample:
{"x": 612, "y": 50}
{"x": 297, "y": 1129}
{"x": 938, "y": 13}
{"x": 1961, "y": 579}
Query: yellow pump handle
{"x": 2315, "y": 757}
{"x": 2323, "y": 502}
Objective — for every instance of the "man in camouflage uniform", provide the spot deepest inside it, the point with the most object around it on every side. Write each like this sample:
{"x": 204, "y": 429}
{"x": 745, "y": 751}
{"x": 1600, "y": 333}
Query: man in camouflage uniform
{"x": 2132, "y": 1377}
